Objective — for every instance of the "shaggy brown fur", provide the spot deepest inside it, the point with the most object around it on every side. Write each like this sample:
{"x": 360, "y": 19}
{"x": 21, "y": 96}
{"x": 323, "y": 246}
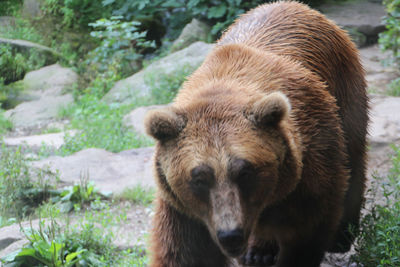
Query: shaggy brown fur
{"x": 262, "y": 155}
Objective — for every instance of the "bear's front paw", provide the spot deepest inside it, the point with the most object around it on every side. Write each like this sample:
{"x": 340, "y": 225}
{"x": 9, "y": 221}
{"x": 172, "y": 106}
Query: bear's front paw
{"x": 258, "y": 257}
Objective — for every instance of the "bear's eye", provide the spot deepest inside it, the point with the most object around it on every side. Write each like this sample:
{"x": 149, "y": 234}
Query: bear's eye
{"x": 202, "y": 179}
{"x": 244, "y": 175}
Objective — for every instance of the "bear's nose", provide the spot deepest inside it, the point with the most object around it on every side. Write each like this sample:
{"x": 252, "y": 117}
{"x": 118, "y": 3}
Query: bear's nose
{"x": 231, "y": 240}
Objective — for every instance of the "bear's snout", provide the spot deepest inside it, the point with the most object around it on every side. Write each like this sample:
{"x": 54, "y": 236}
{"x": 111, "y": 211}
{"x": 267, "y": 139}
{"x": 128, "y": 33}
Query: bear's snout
{"x": 232, "y": 241}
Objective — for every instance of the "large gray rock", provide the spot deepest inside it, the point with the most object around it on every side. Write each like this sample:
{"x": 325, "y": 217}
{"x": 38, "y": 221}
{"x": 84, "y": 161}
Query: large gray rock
{"x": 127, "y": 90}
{"x": 7, "y": 21}
{"x": 31, "y": 9}
{"x": 26, "y": 48}
{"x": 135, "y": 118}
{"x": 46, "y": 90}
{"x": 110, "y": 171}
{"x": 378, "y": 74}
{"x": 52, "y": 140}
{"x": 385, "y": 120}
{"x": 358, "y": 17}
{"x": 193, "y": 32}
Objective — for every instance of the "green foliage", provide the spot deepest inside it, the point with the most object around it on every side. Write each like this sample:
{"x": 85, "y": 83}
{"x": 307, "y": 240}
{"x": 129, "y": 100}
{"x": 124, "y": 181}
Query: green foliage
{"x": 9, "y": 7}
{"x": 164, "y": 87}
{"x": 218, "y": 13}
{"x": 44, "y": 249}
{"x": 394, "y": 87}
{"x": 13, "y": 66}
{"x": 121, "y": 43}
{"x": 21, "y": 189}
{"x": 23, "y": 30}
{"x": 379, "y": 242}
{"x": 79, "y": 196}
{"x": 5, "y": 124}
{"x": 390, "y": 39}
{"x": 137, "y": 194}
{"x": 100, "y": 125}
{"x": 86, "y": 243}
{"x": 76, "y": 13}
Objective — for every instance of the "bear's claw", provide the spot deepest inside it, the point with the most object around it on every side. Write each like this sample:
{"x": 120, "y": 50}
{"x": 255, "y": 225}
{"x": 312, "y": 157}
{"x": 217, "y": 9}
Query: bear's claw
{"x": 256, "y": 258}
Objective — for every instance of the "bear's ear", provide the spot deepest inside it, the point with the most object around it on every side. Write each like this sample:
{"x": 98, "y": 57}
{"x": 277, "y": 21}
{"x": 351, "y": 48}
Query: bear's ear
{"x": 269, "y": 110}
{"x": 164, "y": 124}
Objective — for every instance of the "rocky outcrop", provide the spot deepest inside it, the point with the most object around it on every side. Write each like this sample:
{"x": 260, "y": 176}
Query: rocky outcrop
{"x": 362, "y": 19}
{"x": 135, "y": 118}
{"x": 195, "y": 31}
{"x": 385, "y": 120}
{"x": 126, "y": 91}
{"x": 26, "y": 48}
{"x": 111, "y": 172}
{"x": 45, "y": 92}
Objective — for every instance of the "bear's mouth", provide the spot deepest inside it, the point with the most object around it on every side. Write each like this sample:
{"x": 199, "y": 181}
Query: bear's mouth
{"x": 232, "y": 242}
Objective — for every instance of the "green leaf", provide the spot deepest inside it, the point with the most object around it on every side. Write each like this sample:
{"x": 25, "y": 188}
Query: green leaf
{"x": 217, "y": 11}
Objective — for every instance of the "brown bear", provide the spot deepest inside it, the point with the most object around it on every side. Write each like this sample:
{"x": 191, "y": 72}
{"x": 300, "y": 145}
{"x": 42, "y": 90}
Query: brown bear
{"x": 261, "y": 158}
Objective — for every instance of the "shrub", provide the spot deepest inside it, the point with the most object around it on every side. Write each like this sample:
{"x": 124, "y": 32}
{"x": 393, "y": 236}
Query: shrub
{"x": 5, "y": 124}
{"x": 21, "y": 190}
{"x": 13, "y": 66}
{"x": 378, "y": 244}
{"x": 86, "y": 243}
{"x": 121, "y": 44}
{"x": 390, "y": 39}
{"x": 9, "y": 7}
{"x": 76, "y": 13}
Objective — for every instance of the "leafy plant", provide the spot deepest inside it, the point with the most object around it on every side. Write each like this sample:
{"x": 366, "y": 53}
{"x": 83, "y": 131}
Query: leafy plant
{"x": 390, "y": 39}
{"x": 89, "y": 242}
{"x": 79, "y": 196}
{"x": 13, "y": 66}
{"x": 76, "y": 13}
{"x": 21, "y": 190}
{"x": 5, "y": 124}
{"x": 378, "y": 245}
{"x": 9, "y": 7}
{"x": 45, "y": 248}
{"x": 121, "y": 42}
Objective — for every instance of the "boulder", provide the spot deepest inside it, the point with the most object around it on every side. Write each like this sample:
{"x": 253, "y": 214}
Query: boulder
{"x": 26, "y": 48}
{"x": 135, "y": 118}
{"x": 112, "y": 172}
{"x": 127, "y": 90}
{"x": 53, "y": 80}
{"x": 358, "y": 18}
{"x": 378, "y": 73}
{"x": 384, "y": 127}
{"x": 53, "y": 140}
{"x": 195, "y": 31}
{"x": 38, "y": 113}
{"x": 46, "y": 93}
{"x": 7, "y": 21}
{"x": 31, "y": 9}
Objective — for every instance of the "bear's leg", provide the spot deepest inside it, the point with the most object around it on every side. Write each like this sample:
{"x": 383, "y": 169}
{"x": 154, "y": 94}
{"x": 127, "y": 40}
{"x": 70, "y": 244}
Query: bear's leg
{"x": 260, "y": 253}
{"x": 178, "y": 241}
{"x": 353, "y": 202}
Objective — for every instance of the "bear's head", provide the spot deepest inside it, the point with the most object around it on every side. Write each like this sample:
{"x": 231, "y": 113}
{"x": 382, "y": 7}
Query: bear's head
{"x": 223, "y": 160}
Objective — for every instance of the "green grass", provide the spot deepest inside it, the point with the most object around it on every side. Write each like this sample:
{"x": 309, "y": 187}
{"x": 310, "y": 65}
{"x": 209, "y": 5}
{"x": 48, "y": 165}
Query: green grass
{"x": 87, "y": 242}
{"x": 21, "y": 189}
{"x": 99, "y": 125}
{"x": 137, "y": 194}
{"x": 378, "y": 244}
{"x": 5, "y": 124}
{"x": 394, "y": 87}
{"x": 23, "y": 30}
